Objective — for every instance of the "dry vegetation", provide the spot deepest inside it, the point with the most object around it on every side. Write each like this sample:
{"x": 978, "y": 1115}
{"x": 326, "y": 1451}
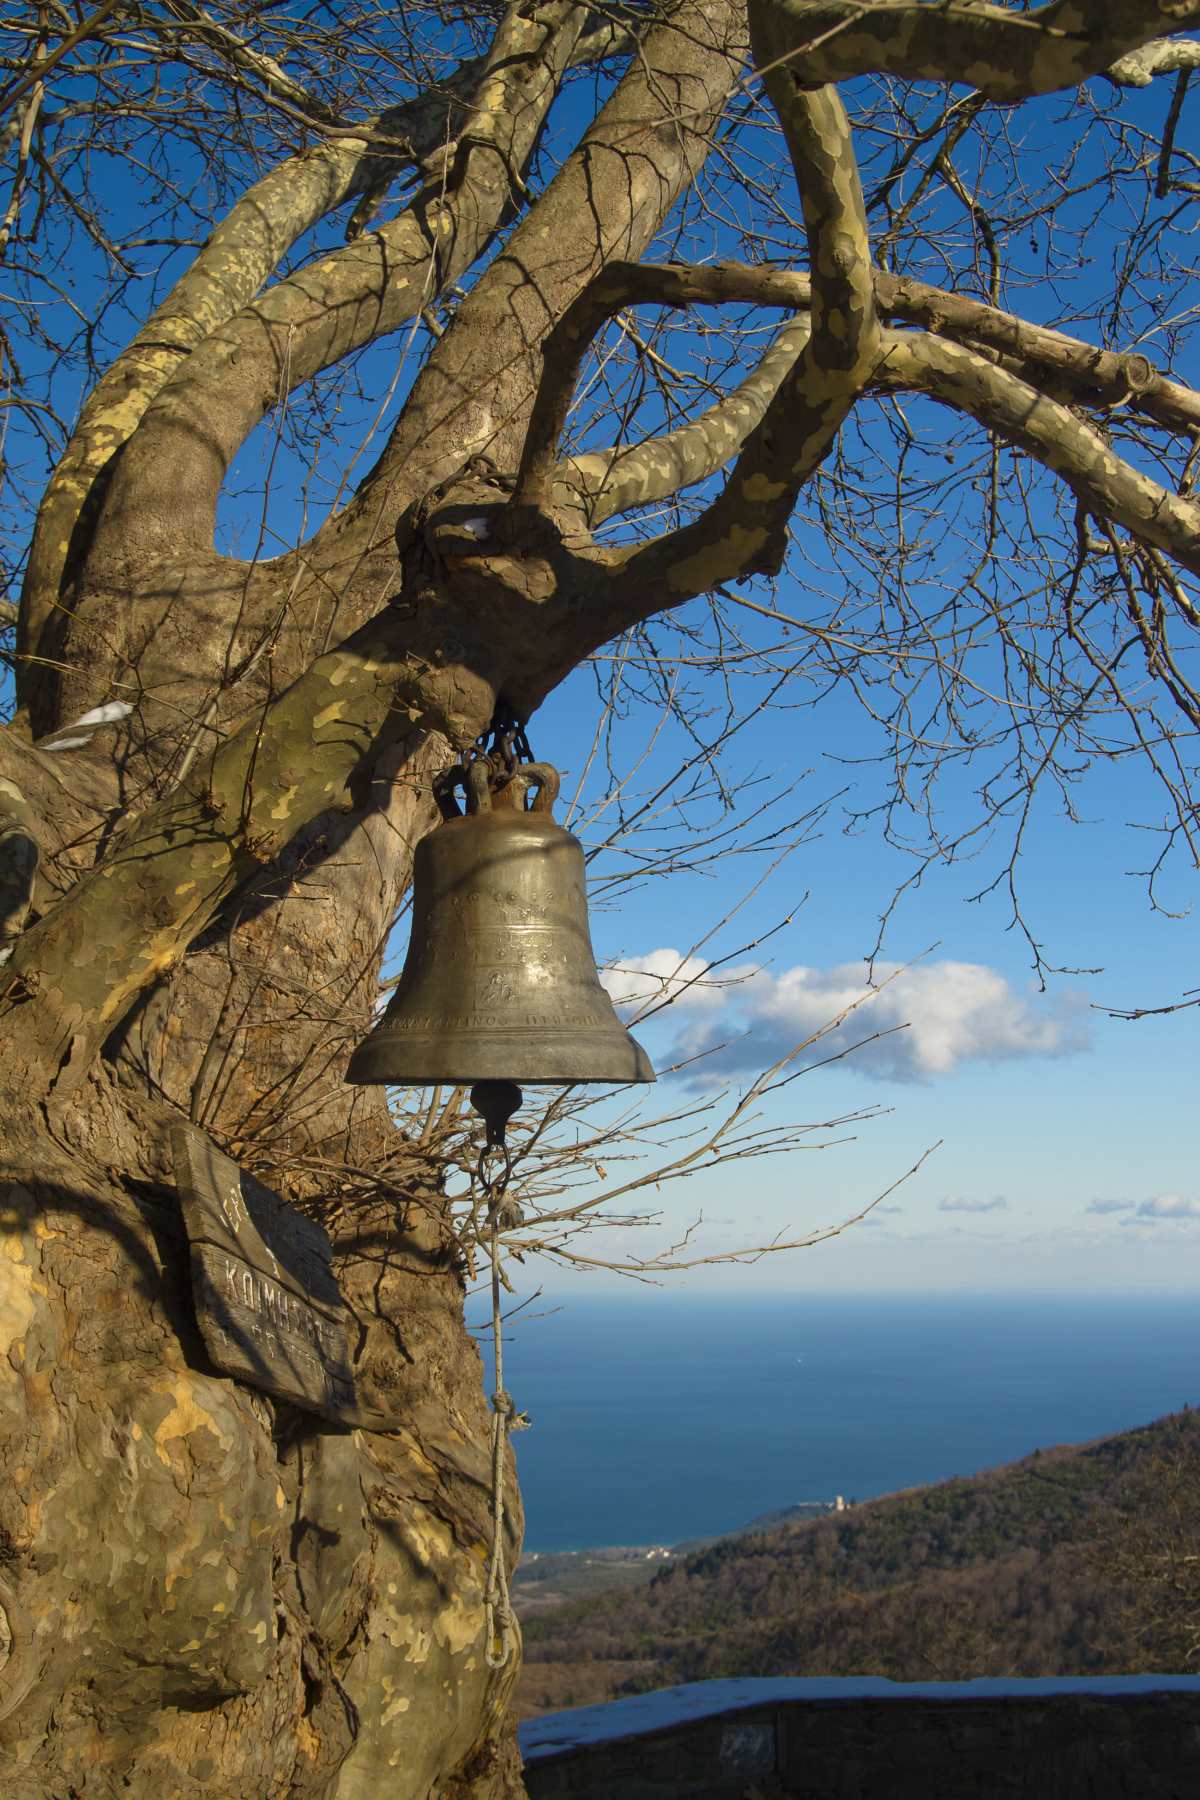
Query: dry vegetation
{"x": 1074, "y": 1561}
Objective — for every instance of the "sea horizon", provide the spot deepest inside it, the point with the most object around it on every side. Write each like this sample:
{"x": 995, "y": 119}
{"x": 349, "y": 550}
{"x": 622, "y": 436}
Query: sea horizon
{"x": 665, "y": 1417}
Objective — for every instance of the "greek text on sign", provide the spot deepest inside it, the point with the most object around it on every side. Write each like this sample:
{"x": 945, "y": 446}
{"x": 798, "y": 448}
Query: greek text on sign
{"x": 267, "y": 1301}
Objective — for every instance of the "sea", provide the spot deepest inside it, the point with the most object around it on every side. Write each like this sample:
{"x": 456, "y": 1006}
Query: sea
{"x": 658, "y": 1418}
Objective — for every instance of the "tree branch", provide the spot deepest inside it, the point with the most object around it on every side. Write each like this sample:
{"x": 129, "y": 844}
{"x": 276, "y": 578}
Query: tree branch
{"x": 160, "y": 503}
{"x": 627, "y": 284}
{"x": 1049, "y": 431}
{"x": 1003, "y": 53}
{"x": 1101, "y": 377}
{"x": 42, "y": 67}
{"x": 240, "y": 256}
{"x": 611, "y": 481}
{"x": 745, "y": 527}
{"x": 1163, "y": 56}
{"x": 201, "y": 28}
{"x": 323, "y": 312}
{"x": 603, "y": 39}
{"x": 611, "y": 194}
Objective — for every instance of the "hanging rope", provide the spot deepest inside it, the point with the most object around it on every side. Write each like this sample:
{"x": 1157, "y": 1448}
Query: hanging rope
{"x": 500, "y": 1640}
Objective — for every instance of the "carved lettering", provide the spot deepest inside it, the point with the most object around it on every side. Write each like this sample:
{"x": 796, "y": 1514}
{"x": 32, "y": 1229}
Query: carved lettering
{"x": 267, "y": 1301}
{"x": 513, "y": 1020}
{"x": 232, "y": 1207}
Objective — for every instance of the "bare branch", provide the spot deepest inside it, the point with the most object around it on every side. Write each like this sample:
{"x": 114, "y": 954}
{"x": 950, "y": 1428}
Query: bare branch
{"x": 1005, "y": 54}
{"x": 645, "y": 147}
{"x": 1050, "y": 431}
{"x": 611, "y": 481}
{"x": 203, "y": 29}
{"x": 1162, "y": 56}
{"x": 675, "y": 1259}
{"x": 1102, "y": 377}
{"x": 1191, "y": 998}
{"x": 604, "y": 38}
{"x": 297, "y": 327}
{"x": 43, "y": 66}
{"x": 627, "y": 284}
{"x": 744, "y": 530}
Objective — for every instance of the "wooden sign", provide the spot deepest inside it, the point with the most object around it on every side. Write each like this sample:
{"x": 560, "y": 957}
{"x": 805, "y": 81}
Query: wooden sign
{"x": 267, "y": 1301}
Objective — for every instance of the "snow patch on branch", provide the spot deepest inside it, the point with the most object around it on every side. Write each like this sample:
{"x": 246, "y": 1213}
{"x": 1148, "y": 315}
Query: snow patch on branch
{"x": 79, "y": 733}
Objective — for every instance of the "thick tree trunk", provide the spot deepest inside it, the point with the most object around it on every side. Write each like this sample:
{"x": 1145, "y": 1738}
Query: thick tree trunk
{"x": 207, "y": 1592}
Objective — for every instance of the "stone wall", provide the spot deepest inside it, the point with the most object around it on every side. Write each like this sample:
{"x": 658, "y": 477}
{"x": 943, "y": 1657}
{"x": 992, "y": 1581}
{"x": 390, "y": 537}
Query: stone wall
{"x": 1122, "y": 1738}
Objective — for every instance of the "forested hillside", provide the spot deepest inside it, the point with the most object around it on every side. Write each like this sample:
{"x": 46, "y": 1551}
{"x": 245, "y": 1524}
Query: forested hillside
{"x": 1078, "y": 1560}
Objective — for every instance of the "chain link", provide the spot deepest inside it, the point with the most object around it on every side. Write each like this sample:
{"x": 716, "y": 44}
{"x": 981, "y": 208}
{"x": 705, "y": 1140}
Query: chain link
{"x": 505, "y": 740}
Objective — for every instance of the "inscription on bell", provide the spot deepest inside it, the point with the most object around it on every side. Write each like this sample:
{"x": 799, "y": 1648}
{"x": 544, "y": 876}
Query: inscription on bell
{"x": 521, "y": 1021}
{"x": 522, "y": 943}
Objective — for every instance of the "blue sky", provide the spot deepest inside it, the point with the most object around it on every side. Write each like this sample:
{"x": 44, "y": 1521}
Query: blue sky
{"x": 1067, "y": 1143}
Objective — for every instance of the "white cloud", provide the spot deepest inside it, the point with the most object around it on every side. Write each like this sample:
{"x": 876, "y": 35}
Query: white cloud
{"x": 1109, "y": 1206}
{"x": 961, "y": 1203}
{"x": 936, "y": 1016}
{"x": 1169, "y": 1206}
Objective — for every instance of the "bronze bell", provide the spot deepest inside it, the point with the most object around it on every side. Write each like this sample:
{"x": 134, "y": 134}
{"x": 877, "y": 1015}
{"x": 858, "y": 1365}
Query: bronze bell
{"x": 500, "y": 979}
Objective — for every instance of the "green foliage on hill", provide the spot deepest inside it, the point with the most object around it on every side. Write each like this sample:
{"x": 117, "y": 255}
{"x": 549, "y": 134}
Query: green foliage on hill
{"x": 1077, "y": 1560}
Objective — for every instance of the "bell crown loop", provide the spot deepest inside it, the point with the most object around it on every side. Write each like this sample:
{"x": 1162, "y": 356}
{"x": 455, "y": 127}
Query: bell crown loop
{"x": 486, "y": 786}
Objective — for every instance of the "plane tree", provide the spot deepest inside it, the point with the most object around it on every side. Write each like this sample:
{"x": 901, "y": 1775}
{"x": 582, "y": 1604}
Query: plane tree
{"x": 634, "y": 288}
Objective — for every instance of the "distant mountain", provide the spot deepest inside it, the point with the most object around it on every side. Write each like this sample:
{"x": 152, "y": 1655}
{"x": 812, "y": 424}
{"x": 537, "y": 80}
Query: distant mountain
{"x": 1077, "y": 1560}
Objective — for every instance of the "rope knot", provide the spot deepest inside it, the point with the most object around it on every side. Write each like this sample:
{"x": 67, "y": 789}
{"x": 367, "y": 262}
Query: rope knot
{"x": 503, "y": 1617}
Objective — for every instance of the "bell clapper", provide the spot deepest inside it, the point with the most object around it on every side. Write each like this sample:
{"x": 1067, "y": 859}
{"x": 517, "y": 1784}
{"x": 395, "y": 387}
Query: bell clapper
{"x": 495, "y": 1102}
